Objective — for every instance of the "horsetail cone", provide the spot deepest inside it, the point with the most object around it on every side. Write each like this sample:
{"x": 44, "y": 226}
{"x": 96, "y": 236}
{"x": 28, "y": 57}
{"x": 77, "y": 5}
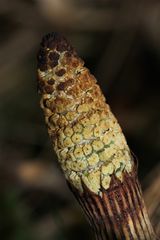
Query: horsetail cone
{"x": 91, "y": 148}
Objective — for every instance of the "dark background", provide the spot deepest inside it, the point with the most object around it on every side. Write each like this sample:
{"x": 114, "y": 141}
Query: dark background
{"x": 120, "y": 43}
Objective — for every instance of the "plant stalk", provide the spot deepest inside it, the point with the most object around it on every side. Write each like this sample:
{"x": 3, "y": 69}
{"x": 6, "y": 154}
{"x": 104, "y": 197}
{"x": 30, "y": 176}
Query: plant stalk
{"x": 91, "y": 148}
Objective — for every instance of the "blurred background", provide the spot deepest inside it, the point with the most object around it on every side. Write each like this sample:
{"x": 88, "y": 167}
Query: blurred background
{"x": 120, "y": 43}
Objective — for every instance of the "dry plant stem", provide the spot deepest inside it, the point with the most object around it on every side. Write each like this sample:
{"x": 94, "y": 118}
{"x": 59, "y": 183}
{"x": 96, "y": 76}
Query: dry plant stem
{"x": 91, "y": 148}
{"x": 152, "y": 197}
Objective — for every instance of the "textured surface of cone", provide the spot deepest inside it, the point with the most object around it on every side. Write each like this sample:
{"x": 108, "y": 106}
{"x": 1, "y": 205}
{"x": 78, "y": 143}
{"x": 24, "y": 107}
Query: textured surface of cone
{"x": 89, "y": 143}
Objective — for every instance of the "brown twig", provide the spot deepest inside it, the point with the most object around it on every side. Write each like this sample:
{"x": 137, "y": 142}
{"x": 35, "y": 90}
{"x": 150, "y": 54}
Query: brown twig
{"x": 152, "y": 197}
